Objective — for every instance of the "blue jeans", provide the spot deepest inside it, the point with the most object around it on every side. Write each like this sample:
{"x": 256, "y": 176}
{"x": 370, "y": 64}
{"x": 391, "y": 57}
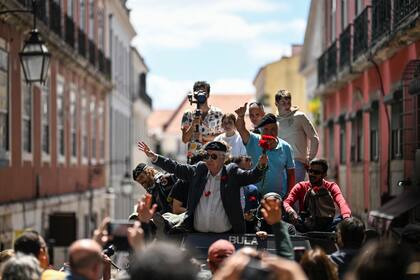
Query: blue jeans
{"x": 300, "y": 171}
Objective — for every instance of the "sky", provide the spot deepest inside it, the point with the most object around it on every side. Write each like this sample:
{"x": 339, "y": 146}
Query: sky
{"x": 224, "y": 42}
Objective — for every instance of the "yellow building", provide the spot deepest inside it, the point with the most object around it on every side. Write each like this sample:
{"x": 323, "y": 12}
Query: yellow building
{"x": 281, "y": 74}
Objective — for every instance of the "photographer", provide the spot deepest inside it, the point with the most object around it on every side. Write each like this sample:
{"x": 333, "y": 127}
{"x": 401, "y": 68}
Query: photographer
{"x": 202, "y": 124}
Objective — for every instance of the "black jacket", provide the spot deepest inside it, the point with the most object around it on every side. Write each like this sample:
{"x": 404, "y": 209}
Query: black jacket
{"x": 232, "y": 179}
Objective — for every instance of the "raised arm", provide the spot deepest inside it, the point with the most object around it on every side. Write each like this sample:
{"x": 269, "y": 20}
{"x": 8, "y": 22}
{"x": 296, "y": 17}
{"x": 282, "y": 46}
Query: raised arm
{"x": 247, "y": 177}
{"x": 181, "y": 171}
{"x": 240, "y": 123}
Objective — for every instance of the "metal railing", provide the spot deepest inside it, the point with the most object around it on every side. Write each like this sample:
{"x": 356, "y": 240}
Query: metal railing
{"x": 403, "y": 9}
{"x": 381, "y": 18}
{"x": 332, "y": 60}
{"x": 55, "y": 18}
{"x": 92, "y": 52}
{"x": 322, "y": 68}
{"x": 69, "y": 31}
{"x": 361, "y": 34}
{"x": 108, "y": 70}
{"x": 81, "y": 42}
{"x": 101, "y": 61}
{"x": 345, "y": 47}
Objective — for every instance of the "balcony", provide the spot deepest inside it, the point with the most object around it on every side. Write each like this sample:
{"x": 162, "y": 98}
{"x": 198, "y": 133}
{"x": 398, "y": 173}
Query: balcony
{"x": 332, "y": 60}
{"x": 403, "y": 10}
{"x": 345, "y": 47}
{"x": 101, "y": 61}
{"x": 361, "y": 32}
{"x": 381, "y": 18}
{"x": 108, "y": 71}
{"x": 322, "y": 65}
{"x": 41, "y": 12}
{"x": 70, "y": 31}
{"x": 81, "y": 41}
{"x": 92, "y": 52}
{"x": 55, "y": 18}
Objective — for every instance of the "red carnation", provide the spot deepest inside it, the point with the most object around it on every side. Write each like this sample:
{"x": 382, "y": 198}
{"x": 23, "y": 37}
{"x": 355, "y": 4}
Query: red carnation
{"x": 252, "y": 198}
{"x": 263, "y": 143}
{"x": 316, "y": 189}
{"x": 207, "y": 193}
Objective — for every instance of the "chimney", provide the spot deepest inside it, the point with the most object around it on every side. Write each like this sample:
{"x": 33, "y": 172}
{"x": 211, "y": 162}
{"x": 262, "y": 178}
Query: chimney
{"x": 296, "y": 49}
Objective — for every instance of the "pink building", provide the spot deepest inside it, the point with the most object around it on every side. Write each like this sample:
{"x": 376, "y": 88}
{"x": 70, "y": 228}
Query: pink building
{"x": 369, "y": 84}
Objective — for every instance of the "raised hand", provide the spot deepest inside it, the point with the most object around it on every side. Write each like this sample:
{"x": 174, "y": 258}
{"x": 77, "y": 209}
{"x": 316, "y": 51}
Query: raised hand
{"x": 145, "y": 149}
{"x": 271, "y": 211}
{"x": 135, "y": 236}
{"x": 100, "y": 234}
{"x": 262, "y": 162}
{"x": 145, "y": 210}
{"x": 241, "y": 110}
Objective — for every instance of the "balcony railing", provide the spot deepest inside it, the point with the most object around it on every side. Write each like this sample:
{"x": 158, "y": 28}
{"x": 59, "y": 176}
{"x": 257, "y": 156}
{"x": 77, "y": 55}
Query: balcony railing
{"x": 55, "y": 18}
{"x": 101, "y": 61}
{"x": 41, "y": 10}
{"x": 332, "y": 60}
{"x": 92, "y": 52}
{"x": 403, "y": 9}
{"x": 381, "y": 18}
{"x": 108, "y": 65}
{"x": 81, "y": 42}
{"x": 322, "y": 68}
{"x": 70, "y": 31}
{"x": 345, "y": 47}
{"x": 361, "y": 32}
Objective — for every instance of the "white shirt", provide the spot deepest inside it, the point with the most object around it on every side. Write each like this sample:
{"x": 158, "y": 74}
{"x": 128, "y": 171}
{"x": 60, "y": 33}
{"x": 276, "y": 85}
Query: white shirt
{"x": 210, "y": 215}
{"x": 235, "y": 142}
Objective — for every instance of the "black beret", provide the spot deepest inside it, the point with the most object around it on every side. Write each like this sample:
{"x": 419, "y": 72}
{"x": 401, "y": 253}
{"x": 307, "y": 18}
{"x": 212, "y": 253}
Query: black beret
{"x": 139, "y": 169}
{"x": 215, "y": 146}
{"x": 267, "y": 119}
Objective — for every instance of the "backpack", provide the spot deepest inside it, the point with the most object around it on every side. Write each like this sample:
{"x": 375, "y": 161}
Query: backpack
{"x": 320, "y": 206}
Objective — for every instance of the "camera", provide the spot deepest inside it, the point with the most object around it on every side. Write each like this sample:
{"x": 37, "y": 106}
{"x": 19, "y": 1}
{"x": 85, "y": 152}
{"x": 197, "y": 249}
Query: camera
{"x": 117, "y": 230}
{"x": 200, "y": 97}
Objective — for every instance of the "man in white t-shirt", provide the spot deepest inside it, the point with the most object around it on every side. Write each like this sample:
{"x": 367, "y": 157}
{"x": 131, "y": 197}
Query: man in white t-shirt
{"x": 231, "y": 136}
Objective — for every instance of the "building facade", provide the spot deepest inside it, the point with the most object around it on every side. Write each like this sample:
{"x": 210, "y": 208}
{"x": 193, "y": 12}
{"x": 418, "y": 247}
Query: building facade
{"x": 367, "y": 78}
{"x": 281, "y": 74}
{"x": 121, "y": 33}
{"x": 53, "y": 136}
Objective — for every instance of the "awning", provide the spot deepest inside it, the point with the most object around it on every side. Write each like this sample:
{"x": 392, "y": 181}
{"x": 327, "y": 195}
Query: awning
{"x": 383, "y": 216}
{"x": 397, "y": 206}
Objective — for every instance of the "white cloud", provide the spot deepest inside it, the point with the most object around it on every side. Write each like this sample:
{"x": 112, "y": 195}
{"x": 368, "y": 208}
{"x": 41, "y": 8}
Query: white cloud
{"x": 189, "y": 24}
{"x": 266, "y": 52}
{"x": 167, "y": 93}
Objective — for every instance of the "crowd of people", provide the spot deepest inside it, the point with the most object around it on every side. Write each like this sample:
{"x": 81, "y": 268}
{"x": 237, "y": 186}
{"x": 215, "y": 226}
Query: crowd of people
{"x": 237, "y": 180}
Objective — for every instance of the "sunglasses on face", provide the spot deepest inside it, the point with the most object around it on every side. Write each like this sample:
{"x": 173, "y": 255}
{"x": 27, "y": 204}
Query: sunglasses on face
{"x": 314, "y": 171}
{"x": 208, "y": 156}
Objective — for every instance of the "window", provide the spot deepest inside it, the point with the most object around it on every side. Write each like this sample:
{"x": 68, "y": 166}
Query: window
{"x": 342, "y": 142}
{"x": 332, "y": 19}
{"x": 45, "y": 112}
{"x": 331, "y": 141}
{"x": 4, "y": 100}
{"x": 93, "y": 125}
{"x": 84, "y": 125}
{"x": 60, "y": 118}
{"x": 82, "y": 15}
{"x": 359, "y": 6}
{"x": 73, "y": 126}
{"x": 396, "y": 129}
{"x": 26, "y": 115}
{"x": 357, "y": 138}
{"x": 70, "y": 8}
{"x": 91, "y": 18}
{"x": 374, "y": 136}
{"x": 101, "y": 131}
{"x": 101, "y": 29}
{"x": 344, "y": 14}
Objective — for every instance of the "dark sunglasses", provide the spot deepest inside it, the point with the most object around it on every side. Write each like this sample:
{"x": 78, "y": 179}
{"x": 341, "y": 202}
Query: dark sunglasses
{"x": 208, "y": 156}
{"x": 314, "y": 171}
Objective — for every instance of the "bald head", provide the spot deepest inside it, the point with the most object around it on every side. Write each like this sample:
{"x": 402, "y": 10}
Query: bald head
{"x": 85, "y": 258}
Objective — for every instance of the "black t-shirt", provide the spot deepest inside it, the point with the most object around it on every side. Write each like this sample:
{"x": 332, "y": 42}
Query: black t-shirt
{"x": 180, "y": 192}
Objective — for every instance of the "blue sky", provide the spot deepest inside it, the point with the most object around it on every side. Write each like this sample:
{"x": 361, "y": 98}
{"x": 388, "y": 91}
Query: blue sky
{"x": 224, "y": 42}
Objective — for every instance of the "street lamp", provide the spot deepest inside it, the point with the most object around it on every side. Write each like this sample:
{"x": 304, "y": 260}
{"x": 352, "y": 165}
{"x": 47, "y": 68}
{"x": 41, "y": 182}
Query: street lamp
{"x": 34, "y": 57}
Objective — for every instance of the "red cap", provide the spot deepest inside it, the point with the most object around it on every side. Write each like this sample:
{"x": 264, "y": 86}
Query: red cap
{"x": 219, "y": 250}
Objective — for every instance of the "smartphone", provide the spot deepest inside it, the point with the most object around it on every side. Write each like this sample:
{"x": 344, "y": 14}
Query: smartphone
{"x": 117, "y": 230}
